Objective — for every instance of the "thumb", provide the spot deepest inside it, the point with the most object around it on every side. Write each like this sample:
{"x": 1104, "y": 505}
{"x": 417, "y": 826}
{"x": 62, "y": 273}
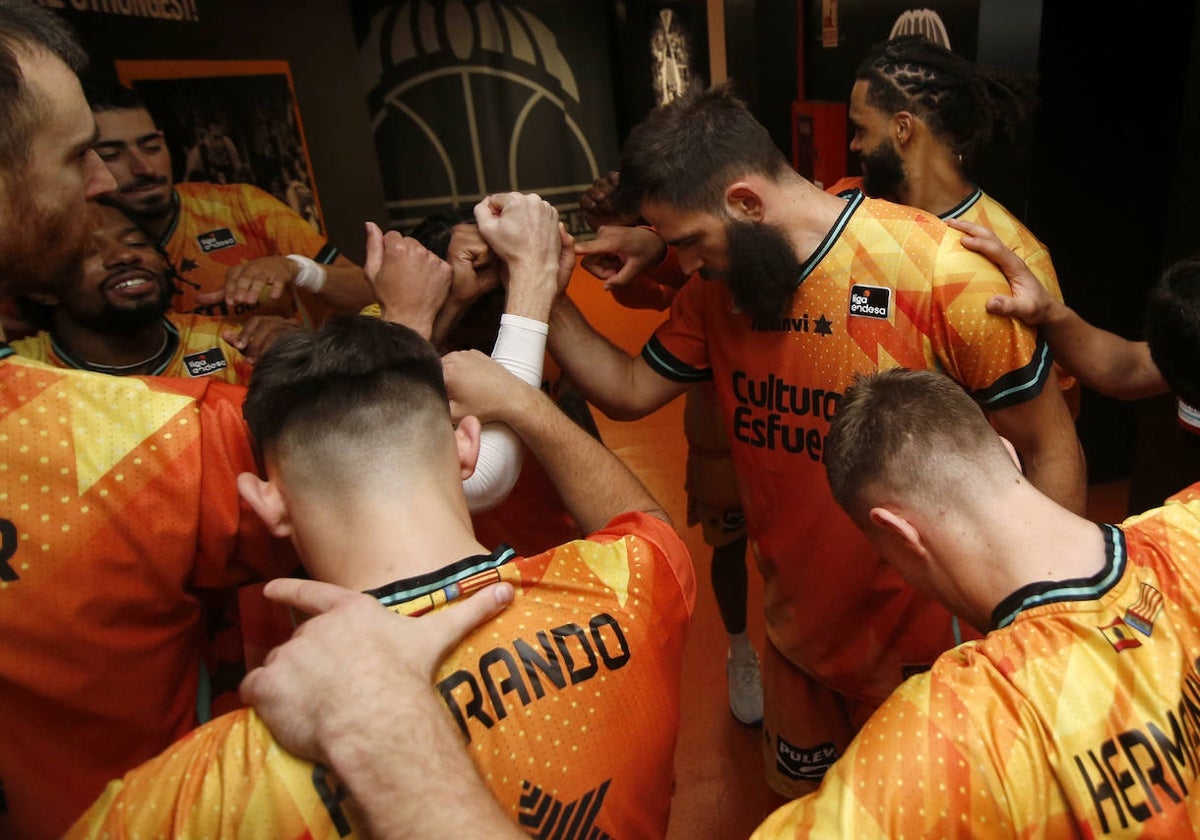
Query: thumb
{"x": 628, "y": 271}
{"x": 1001, "y": 305}
{"x": 448, "y": 627}
{"x": 374, "y": 259}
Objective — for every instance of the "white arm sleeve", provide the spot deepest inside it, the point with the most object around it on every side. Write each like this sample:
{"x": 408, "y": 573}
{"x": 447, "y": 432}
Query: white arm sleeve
{"x": 520, "y": 349}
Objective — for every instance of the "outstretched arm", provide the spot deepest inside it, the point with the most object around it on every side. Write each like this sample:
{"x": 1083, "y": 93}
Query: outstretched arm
{"x": 623, "y": 387}
{"x": 1042, "y": 431}
{"x": 1103, "y": 361}
{"x": 595, "y": 484}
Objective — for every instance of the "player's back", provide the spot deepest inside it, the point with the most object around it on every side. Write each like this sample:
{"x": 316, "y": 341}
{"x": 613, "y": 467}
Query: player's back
{"x": 119, "y": 500}
{"x": 569, "y": 701}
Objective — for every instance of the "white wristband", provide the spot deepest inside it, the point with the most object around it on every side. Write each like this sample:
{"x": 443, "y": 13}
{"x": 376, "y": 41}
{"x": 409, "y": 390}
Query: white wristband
{"x": 312, "y": 273}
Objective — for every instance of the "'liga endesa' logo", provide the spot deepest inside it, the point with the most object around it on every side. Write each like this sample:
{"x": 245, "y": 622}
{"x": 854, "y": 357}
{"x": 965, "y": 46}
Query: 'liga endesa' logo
{"x": 870, "y": 301}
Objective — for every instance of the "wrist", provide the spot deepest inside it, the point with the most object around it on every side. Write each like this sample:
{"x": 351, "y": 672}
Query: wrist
{"x": 310, "y": 274}
{"x": 531, "y": 293}
{"x": 659, "y": 255}
{"x": 1054, "y": 313}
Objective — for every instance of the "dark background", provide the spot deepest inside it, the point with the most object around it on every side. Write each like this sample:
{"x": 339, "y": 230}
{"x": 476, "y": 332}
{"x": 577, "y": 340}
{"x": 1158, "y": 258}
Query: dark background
{"x": 1110, "y": 180}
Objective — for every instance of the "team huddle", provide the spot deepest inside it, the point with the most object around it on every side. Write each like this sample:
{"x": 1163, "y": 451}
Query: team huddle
{"x": 491, "y": 608}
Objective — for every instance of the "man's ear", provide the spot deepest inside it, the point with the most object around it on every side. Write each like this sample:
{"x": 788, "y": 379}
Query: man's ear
{"x": 903, "y": 123}
{"x": 744, "y": 202}
{"x": 466, "y": 438}
{"x": 899, "y": 527}
{"x": 268, "y": 503}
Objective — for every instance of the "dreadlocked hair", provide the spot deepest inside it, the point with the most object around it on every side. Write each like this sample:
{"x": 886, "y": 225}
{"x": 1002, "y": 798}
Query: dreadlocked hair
{"x": 967, "y": 106}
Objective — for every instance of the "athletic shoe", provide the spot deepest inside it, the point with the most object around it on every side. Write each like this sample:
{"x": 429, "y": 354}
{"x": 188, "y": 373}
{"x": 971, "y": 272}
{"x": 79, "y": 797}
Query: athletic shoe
{"x": 745, "y": 688}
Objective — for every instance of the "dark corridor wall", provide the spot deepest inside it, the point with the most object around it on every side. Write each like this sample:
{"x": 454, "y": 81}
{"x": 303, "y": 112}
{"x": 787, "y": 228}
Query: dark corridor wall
{"x": 314, "y": 37}
{"x": 1106, "y": 157}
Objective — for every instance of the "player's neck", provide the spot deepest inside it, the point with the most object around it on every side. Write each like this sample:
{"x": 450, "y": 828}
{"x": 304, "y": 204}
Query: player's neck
{"x": 365, "y": 544}
{"x": 934, "y": 182}
{"x": 1028, "y": 539}
{"x": 807, "y": 214}
{"x": 133, "y": 353}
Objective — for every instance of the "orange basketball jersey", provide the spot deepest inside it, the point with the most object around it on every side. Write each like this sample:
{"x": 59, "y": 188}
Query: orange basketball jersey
{"x": 117, "y": 503}
{"x": 194, "y": 350}
{"x": 889, "y": 286}
{"x": 1077, "y": 718}
{"x": 219, "y": 226}
{"x": 568, "y": 700}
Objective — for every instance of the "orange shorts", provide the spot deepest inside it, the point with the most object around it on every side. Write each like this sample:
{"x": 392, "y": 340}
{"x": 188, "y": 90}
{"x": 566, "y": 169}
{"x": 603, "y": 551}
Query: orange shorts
{"x": 806, "y": 726}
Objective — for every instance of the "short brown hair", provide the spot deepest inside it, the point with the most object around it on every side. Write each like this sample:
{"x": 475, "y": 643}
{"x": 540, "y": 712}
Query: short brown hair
{"x": 356, "y": 385}
{"x": 912, "y": 432}
{"x": 27, "y": 28}
{"x": 685, "y": 153}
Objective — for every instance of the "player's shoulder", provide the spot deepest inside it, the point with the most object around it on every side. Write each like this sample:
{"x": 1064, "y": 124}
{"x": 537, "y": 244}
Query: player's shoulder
{"x": 899, "y": 221}
{"x": 1179, "y": 516}
{"x": 204, "y": 192}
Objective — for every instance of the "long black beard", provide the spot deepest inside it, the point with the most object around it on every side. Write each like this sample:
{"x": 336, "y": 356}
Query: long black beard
{"x": 763, "y": 271}
{"x": 883, "y": 172}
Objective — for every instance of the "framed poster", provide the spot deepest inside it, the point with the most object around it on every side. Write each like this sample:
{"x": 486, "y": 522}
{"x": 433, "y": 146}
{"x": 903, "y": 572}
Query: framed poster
{"x": 231, "y": 122}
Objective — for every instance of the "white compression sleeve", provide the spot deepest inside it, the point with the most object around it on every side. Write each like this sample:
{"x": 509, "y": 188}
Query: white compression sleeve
{"x": 520, "y": 349}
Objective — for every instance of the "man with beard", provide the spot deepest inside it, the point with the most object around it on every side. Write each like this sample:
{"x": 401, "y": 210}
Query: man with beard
{"x": 114, "y": 319}
{"x": 813, "y": 290}
{"x": 116, "y": 500}
{"x": 921, "y": 116}
{"x": 233, "y": 245}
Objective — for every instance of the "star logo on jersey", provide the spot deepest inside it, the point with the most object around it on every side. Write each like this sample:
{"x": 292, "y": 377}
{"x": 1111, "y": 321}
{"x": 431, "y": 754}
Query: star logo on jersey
{"x": 545, "y": 816}
{"x": 1141, "y": 615}
{"x": 188, "y": 264}
{"x": 1119, "y": 635}
{"x": 823, "y": 326}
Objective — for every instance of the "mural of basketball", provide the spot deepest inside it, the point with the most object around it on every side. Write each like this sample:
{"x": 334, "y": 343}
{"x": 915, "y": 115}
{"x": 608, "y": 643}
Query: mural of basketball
{"x": 470, "y": 98}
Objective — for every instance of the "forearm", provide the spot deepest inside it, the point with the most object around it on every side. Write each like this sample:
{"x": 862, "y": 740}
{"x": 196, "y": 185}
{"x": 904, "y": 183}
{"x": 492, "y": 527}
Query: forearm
{"x": 1103, "y": 361}
{"x": 346, "y": 288}
{"x": 421, "y": 786}
{"x": 595, "y": 485}
{"x": 1059, "y": 472}
{"x": 604, "y": 373}
{"x": 521, "y": 350}
{"x": 531, "y": 291}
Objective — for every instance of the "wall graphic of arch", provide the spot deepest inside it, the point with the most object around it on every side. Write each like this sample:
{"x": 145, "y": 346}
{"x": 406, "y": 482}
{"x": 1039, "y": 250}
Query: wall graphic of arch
{"x": 470, "y": 98}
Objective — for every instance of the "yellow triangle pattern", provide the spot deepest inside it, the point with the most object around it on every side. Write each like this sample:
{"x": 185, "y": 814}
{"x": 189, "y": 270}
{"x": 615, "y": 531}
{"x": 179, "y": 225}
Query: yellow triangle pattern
{"x": 110, "y": 417}
{"x": 611, "y": 565}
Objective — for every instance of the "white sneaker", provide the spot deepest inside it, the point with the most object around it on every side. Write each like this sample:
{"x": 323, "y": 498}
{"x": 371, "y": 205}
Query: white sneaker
{"x": 745, "y": 688}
